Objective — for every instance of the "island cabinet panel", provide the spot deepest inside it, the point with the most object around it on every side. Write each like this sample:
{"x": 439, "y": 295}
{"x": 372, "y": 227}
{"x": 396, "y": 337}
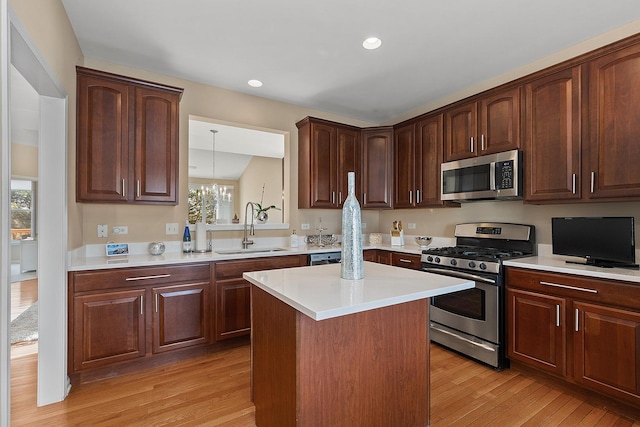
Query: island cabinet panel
{"x": 108, "y": 328}
{"x": 553, "y": 137}
{"x": 118, "y": 315}
{"x": 336, "y": 372}
{"x": 584, "y": 330}
{"x": 377, "y": 168}
{"x": 233, "y": 295}
{"x": 488, "y": 124}
{"x": 127, "y": 139}
{"x": 327, "y": 151}
{"x": 537, "y": 330}
{"x": 614, "y": 121}
{"x": 180, "y": 316}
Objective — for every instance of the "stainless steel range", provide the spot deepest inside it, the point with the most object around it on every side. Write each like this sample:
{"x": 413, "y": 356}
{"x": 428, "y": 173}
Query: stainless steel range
{"x": 472, "y": 322}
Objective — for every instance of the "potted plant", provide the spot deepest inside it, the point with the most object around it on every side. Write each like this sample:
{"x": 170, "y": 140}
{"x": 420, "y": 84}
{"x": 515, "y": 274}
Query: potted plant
{"x": 261, "y": 212}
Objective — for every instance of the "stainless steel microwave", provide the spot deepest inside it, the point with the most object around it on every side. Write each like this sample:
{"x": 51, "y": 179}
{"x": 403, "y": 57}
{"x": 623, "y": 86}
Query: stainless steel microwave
{"x": 489, "y": 177}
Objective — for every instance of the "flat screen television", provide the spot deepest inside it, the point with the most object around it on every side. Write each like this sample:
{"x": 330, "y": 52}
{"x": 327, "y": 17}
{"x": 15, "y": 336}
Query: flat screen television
{"x": 602, "y": 241}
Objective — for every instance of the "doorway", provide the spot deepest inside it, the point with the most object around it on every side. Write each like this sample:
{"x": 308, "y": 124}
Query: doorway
{"x": 17, "y": 50}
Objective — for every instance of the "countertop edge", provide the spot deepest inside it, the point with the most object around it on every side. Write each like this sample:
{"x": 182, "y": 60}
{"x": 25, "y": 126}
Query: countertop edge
{"x": 559, "y": 265}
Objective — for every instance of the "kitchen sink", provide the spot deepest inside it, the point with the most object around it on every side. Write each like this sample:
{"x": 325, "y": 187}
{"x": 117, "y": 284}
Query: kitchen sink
{"x": 248, "y": 251}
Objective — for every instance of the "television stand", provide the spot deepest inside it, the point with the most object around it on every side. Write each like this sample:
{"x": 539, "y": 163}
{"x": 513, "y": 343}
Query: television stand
{"x": 605, "y": 264}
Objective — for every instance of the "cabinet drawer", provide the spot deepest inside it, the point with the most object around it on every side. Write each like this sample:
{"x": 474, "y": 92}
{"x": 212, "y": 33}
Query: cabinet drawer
{"x": 234, "y": 269}
{"x": 126, "y": 277}
{"x": 579, "y": 287}
{"x": 405, "y": 260}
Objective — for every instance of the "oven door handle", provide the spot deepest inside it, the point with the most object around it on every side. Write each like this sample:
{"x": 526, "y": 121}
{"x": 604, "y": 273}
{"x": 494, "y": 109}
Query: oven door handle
{"x": 477, "y": 344}
{"x": 459, "y": 274}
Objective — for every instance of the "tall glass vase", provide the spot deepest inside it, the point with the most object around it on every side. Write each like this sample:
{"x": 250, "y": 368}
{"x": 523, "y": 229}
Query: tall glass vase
{"x": 352, "y": 261}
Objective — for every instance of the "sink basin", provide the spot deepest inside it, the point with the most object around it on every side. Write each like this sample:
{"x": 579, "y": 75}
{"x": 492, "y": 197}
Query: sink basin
{"x": 248, "y": 251}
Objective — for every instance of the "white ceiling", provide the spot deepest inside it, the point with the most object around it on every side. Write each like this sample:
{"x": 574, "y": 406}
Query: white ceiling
{"x": 309, "y": 53}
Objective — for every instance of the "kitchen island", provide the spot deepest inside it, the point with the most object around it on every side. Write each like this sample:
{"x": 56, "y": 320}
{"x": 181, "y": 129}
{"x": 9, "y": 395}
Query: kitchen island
{"x": 333, "y": 352}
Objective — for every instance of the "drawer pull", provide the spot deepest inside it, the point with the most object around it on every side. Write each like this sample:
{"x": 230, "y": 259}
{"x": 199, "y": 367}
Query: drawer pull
{"x": 575, "y": 288}
{"x": 158, "y": 276}
{"x": 577, "y": 321}
{"x": 156, "y": 303}
{"x": 406, "y": 261}
{"x": 557, "y": 314}
{"x": 141, "y": 305}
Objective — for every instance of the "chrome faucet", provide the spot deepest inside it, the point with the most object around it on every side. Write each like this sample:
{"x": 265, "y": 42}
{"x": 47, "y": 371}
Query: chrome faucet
{"x": 246, "y": 242}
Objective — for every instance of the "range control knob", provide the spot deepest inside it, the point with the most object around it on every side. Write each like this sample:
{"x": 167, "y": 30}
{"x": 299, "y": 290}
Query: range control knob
{"x": 429, "y": 258}
{"x": 483, "y": 266}
{"x": 472, "y": 264}
{"x": 454, "y": 262}
{"x": 437, "y": 259}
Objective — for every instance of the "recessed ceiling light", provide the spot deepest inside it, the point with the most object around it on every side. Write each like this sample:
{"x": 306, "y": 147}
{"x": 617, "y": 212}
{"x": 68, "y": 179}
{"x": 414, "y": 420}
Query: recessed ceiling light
{"x": 372, "y": 43}
{"x": 255, "y": 83}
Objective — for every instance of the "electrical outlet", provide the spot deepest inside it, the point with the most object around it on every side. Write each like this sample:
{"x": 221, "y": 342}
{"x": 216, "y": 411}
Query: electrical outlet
{"x": 304, "y": 226}
{"x": 411, "y": 226}
{"x": 103, "y": 230}
{"x": 171, "y": 228}
{"x": 364, "y": 225}
{"x": 121, "y": 229}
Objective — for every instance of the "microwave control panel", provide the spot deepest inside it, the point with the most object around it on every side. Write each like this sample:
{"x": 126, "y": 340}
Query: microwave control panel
{"x": 504, "y": 175}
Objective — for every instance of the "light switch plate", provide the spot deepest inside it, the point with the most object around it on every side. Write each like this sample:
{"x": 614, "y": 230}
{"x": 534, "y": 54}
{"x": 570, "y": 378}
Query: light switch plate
{"x": 171, "y": 228}
{"x": 304, "y": 226}
{"x": 411, "y": 226}
{"x": 121, "y": 229}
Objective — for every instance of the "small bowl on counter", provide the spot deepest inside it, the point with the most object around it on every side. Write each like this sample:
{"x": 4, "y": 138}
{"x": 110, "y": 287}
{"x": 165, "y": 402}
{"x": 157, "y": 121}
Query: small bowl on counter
{"x": 423, "y": 241}
{"x": 156, "y": 248}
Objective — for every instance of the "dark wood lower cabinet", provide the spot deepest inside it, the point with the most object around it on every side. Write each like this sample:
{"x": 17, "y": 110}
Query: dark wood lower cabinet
{"x": 581, "y": 329}
{"x": 180, "y": 316}
{"x": 108, "y": 327}
{"x": 233, "y": 293}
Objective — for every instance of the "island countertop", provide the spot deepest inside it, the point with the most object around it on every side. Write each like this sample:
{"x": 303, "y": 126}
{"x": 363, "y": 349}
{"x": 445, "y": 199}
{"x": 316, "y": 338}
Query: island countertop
{"x": 320, "y": 293}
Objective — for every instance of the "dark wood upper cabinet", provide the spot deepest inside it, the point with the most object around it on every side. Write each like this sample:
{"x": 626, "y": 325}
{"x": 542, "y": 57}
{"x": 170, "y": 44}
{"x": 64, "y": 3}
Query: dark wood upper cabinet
{"x": 553, "y": 137}
{"x": 614, "y": 125}
{"x": 326, "y": 152}
{"x": 377, "y": 168}
{"x": 486, "y": 125}
{"x": 127, "y": 139}
{"x": 417, "y": 155}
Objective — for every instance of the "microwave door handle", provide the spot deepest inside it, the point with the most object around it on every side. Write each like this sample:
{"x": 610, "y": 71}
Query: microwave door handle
{"x": 492, "y": 176}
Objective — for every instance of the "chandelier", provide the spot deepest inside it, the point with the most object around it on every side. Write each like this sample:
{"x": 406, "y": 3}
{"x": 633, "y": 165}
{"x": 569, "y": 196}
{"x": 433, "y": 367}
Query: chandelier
{"x": 217, "y": 195}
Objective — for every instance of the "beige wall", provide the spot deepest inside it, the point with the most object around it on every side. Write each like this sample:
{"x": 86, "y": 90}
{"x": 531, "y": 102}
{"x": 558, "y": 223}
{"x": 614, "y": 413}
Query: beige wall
{"x": 252, "y": 180}
{"x": 48, "y": 26}
{"x": 24, "y": 161}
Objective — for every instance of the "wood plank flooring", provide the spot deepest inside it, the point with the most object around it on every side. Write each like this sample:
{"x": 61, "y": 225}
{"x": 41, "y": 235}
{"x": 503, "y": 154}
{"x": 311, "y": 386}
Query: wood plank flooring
{"x": 214, "y": 390}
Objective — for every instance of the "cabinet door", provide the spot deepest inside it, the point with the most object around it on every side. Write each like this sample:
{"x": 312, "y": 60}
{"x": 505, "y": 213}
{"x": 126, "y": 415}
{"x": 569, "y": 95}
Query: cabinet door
{"x": 180, "y": 316}
{"x": 499, "y": 122}
{"x": 614, "y": 111}
{"x": 102, "y": 155}
{"x": 156, "y": 146}
{"x": 348, "y": 161}
{"x": 323, "y": 165}
{"x": 384, "y": 257}
{"x": 428, "y": 160}
{"x": 537, "y": 330}
{"x": 460, "y": 133}
{"x": 108, "y": 328}
{"x": 607, "y": 350}
{"x": 377, "y": 168}
{"x": 233, "y": 311}
{"x": 370, "y": 255}
{"x": 404, "y": 166}
{"x": 553, "y": 137}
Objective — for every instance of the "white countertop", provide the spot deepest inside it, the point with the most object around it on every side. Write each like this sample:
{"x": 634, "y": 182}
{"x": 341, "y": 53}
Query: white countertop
{"x": 558, "y": 264}
{"x": 320, "y": 293}
{"x": 93, "y": 258}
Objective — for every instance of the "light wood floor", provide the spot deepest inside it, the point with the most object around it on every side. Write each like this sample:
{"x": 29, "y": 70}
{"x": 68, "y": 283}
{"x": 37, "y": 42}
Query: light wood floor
{"x": 214, "y": 390}
{"x": 23, "y": 294}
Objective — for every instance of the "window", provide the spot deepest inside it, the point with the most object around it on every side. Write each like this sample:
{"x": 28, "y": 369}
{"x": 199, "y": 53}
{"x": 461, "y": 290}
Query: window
{"x": 23, "y": 209}
{"x": 218, "y": 210}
